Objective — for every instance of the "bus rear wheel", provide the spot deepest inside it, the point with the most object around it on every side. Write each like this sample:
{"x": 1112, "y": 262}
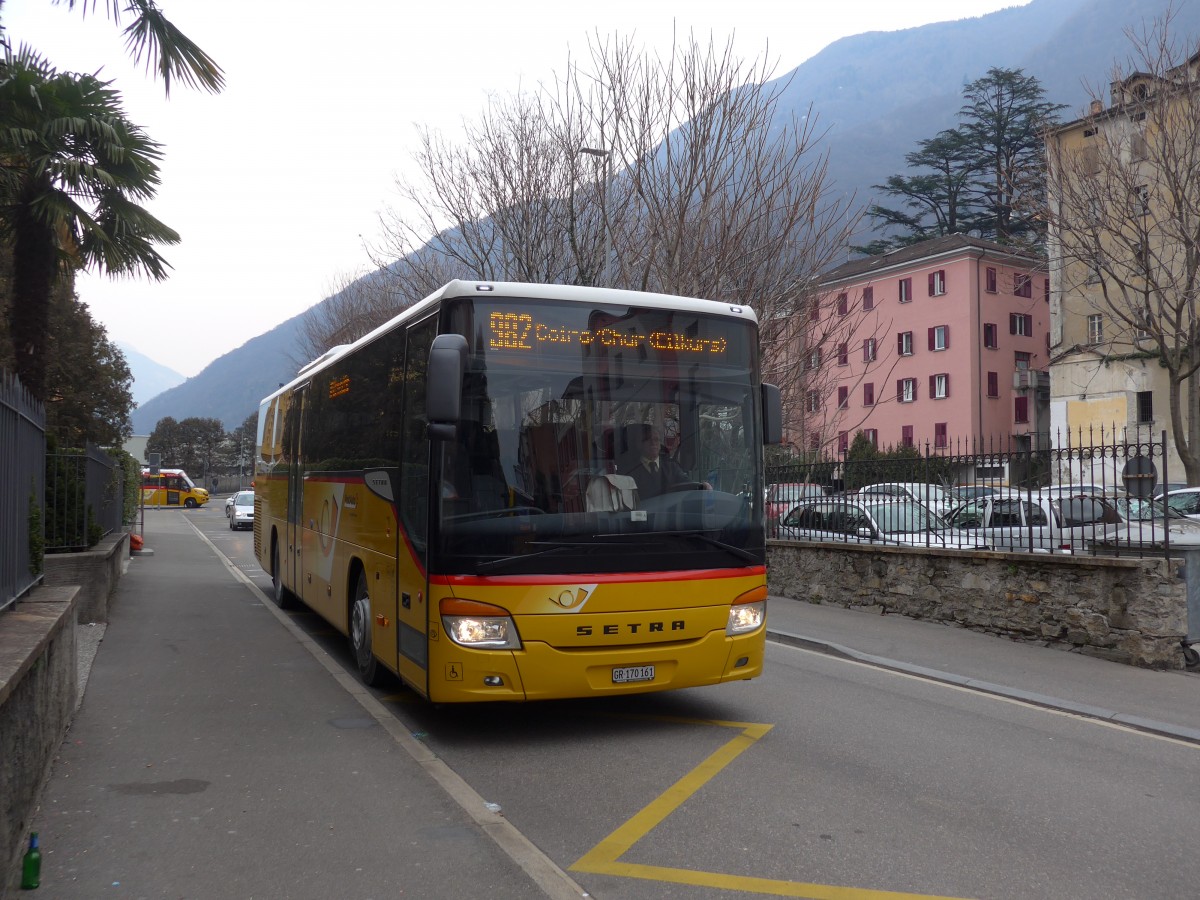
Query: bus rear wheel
{"x": 360, "y": 634}
{"x": 283, "y": 598}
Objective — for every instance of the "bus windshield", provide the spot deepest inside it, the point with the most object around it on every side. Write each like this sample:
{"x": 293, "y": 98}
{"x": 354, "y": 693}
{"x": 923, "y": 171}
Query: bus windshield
{"x": 600, "y": 440}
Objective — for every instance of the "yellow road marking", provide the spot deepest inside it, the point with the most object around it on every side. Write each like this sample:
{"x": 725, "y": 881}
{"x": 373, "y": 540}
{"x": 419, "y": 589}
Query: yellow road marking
{"x": 604, "y": 858}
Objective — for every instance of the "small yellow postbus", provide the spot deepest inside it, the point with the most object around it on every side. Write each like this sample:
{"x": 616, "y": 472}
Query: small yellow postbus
{"x": 171, "y": 487}
{"x": 518, "y": 491}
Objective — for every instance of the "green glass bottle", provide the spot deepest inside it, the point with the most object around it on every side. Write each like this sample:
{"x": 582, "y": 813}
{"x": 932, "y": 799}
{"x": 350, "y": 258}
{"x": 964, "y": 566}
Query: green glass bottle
{"x": 31, "y": 867}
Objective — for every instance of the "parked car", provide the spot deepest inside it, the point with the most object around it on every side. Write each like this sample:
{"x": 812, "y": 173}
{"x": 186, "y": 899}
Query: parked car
{"x": 782, "y": 497}
{"x": 855, "y": 519}
{"x": 241, "y": 511}
{"x": 1148, "y": 524}
{"x": 934, "y": 496}
{"x": 1184, "y": 500}
{"x": 974, "y": 491}
{"x": 1043, "y": 522}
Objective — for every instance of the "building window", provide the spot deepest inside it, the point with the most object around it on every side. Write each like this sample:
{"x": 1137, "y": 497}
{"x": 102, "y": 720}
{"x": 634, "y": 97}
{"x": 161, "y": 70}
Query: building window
{"x": 1022, "y": 286}
{"x": 1021, "y": 410}
{"x": 906, "y": 390}
{"x": 814, "y": 358}
{"x": 869, "y": 350}
{"x": 843, "y": 305}
{"x": 906, "y": 435}
{"x": 814, "y": 441}
{"x": 937, "y": 283}
{"x": 843, "y": 441}
{"x": 868, "y": 298}
{"x": 939, "y": 386}
{"x": 1022, "y": 360}
{"x": 868, "y": 394}
{"x": 905, "y": 290}
{"x": 939, "y": 337}
{"x": 1020, "y": 323}
{"x": 990, "y": 281}
{"x": 1141, "y": 200}
{"x": 814, "y": 401}
{"x": 1145, "y": 407}
{"x": 872, "y": 435}
{"x": 814, "y": 311}
{"x": 993, "y": 384}
{"x": 939, "y": 434}
{"x": 1046, "y": 289}
{"x": 991, "y": 333}
{"x": 843, "y": 397}
{"x": 843, "y": 355}
{"x": 1095, "y": 329}
{"x": 904, "y": 343}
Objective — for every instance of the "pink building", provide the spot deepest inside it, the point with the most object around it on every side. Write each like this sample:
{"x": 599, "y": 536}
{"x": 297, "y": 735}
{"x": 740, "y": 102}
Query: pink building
{"x": 944, "y": 343}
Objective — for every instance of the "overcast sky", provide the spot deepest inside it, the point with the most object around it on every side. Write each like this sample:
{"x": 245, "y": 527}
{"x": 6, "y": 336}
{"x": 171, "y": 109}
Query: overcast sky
{"x": 275, "y": 183}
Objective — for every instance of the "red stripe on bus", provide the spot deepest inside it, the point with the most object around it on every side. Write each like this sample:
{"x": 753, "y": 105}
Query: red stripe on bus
{"x": 605, "y": 578}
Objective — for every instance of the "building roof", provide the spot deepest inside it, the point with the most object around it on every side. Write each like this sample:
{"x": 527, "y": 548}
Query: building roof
{"x": 948, "y": 245}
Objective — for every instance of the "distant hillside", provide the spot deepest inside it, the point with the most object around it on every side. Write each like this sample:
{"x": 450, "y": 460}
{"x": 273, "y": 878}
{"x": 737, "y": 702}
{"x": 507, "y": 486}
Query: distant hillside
{"x": 877, "y": 94}
{"x": 229, "y": 387}
{"x": 150, "y": 378}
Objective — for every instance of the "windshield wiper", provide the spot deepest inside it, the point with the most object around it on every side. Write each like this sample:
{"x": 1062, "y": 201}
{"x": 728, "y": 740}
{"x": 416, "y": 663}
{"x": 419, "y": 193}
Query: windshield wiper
{"x": 739, "y": 552}
{"x": 547, "y": 547}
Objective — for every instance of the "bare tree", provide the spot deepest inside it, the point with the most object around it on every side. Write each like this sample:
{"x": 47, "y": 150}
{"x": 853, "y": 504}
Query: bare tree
{"x": 357, "y": 304}
{"x": 679, "y": 175}
{"x": 1124, "y": 215}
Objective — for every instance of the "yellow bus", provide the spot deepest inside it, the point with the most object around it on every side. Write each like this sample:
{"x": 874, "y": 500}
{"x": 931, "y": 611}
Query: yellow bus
{"x": 459, "y": 493}
{"x": 171, "y": 487}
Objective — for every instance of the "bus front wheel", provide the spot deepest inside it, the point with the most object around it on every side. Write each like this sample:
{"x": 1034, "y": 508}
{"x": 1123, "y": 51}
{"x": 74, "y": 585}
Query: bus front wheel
{"x": 190, "y": 503}
{"x": 284, "y": 598}
{"x": 360, "y": 634}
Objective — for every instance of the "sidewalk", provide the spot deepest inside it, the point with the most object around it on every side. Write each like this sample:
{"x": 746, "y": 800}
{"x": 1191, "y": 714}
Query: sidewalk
{"x": 214, "y": 756}
{"x": 1163, "y": 702}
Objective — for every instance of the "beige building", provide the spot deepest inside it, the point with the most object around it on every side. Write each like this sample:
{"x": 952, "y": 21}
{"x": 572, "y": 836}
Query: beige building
{"x": 1124, "y": 206}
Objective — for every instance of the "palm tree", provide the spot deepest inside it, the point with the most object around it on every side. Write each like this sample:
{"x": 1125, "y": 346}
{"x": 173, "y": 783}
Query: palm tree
{"x": 73, "y": 170}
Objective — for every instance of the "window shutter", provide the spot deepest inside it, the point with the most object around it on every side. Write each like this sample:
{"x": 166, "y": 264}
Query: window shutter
{"x": 1012, "y": 323}
{"x": 946, "y": 333}
{"x": 947, "y": 384}
{"x": 932, "y": 386}
{"x": 931, "y": 339}
{"x": 900, "y": 390}
{"x": 931, "y": 283}
{"x": 900, "y": 344}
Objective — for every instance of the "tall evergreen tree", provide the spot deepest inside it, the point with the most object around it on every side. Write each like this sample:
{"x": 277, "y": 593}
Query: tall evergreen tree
{"x": 984, "y": 177}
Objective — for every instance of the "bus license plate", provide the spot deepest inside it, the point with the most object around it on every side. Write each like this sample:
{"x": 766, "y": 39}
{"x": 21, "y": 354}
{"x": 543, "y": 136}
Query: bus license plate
{"x": 628, "y": 674}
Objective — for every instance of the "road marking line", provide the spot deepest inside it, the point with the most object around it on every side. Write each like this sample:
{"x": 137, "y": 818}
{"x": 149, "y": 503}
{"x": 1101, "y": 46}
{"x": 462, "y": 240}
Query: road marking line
{"x": 604, "y": 858}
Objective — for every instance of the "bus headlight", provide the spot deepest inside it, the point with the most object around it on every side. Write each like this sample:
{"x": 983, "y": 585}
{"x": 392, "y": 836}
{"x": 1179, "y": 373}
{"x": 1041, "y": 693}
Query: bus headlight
{"x": 482, "y": 626}
{"x": 748, "y": 612}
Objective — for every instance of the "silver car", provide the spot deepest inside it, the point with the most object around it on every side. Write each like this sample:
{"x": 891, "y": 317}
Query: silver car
{"x": 1039, "y": 522}
{"x": 241, "y": 510}
{"x": 857, "y": 519}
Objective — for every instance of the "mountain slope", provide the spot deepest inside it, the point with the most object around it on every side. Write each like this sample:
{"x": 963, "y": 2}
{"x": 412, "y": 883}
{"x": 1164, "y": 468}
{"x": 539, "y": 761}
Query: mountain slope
{"x": 150, "y": 378}
{"x": 877, "y": 94}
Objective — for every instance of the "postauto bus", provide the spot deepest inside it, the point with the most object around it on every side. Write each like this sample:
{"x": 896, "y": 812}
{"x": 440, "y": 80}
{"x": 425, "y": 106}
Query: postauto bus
{"x": 171, "y": 487}
{"x": 456, "y": 492}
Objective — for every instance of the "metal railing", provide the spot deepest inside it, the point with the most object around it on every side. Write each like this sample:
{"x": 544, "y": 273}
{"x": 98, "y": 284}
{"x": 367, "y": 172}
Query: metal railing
{"x": 22, "y": 486}
{"x": 84, "y": 498}
{"x": 1088, "y": 494}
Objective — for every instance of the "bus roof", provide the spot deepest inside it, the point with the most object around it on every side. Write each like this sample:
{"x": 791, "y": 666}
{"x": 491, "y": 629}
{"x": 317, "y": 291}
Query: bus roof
{"x": 569, "y": 292}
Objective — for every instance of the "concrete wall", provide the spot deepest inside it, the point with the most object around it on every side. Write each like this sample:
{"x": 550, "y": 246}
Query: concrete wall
{"x": 38, "y": 685}
{"x": 96, "y": 573}
{"x": 1127, "y": 610}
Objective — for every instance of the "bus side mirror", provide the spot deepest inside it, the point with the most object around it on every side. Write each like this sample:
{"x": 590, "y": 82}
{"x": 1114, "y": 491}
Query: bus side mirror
{"x": 443, "y": 385}
{"x": 772, "y": 406}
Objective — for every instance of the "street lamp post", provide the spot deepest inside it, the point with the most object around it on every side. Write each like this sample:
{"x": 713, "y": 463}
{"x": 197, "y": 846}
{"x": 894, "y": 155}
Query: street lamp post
{"x": 603, "y": 154}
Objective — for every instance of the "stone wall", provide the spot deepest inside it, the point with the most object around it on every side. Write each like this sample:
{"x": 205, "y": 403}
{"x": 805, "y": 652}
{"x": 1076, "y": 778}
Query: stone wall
{"x": 95, "y": 571}
{"x": 38, "y": 686}
{"x": 1127, "y": 610}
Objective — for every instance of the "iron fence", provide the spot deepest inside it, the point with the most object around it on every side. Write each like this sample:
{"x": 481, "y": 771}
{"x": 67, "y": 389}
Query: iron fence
{"x": 85, "y": 492}
{"x": 22, "y": 484}
{"x": 1090, "y": 493}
